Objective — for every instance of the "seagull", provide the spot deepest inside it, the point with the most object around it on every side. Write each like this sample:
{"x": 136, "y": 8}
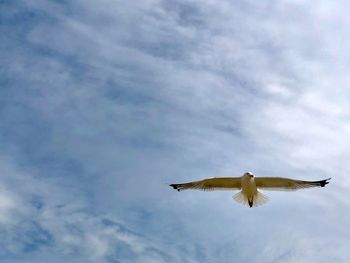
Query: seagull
{"x": 250, "y": 186}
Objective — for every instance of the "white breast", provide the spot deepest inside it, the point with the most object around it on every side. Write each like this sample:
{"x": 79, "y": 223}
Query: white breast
{"x": 248, "y": 186}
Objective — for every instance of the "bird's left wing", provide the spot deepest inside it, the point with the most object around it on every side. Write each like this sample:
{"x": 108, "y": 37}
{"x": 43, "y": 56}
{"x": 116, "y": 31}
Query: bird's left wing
{"x": 286, "y": 184}
{"x": 223, "y": 183}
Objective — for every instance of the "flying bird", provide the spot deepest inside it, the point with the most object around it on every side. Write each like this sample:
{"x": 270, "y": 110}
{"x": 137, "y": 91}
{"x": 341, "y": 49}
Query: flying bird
{"x": 250, "y": 186}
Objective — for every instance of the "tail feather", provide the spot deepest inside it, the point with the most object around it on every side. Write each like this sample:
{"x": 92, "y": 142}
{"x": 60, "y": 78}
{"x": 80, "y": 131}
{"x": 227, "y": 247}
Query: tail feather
{"x": 260, "y": 199}
{"x": 241, "y": 198}
{"x": 257, "y": 200}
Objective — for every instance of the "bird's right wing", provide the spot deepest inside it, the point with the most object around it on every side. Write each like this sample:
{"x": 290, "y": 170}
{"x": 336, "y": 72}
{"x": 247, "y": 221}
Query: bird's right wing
{"x": 286, "y": 184}
{"x": 223, "y": 183}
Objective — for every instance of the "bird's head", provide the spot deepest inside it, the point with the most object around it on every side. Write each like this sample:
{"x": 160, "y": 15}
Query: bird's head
{"x": 249, "y": 174}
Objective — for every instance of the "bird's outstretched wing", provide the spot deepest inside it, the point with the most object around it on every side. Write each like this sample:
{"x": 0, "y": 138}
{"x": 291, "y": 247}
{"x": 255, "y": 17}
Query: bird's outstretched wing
{"x": 286, "y": 184}
{"x": 223, "y": 183}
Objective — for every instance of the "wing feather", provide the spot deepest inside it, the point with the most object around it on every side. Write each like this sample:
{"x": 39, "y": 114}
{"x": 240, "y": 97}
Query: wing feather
{"x": 286, "y": 184}
{"x": 223, "y": 183}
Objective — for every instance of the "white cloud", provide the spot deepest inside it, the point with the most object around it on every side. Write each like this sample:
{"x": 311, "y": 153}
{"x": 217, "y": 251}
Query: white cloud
{"x": 142, "y": 94}
{"x": 49, "y": 217}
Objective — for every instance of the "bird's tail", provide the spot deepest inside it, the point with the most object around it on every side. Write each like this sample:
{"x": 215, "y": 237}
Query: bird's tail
{"x": 257, "y": 200}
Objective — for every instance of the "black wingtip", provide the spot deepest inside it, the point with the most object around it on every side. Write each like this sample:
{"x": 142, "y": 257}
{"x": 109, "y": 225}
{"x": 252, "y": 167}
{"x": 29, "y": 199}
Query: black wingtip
{"x": 174, "y": 186}
{"x": 324, "y": 182}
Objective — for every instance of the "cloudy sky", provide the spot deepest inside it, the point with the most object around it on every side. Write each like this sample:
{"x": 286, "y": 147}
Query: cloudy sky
{"x": 104, "y": 103}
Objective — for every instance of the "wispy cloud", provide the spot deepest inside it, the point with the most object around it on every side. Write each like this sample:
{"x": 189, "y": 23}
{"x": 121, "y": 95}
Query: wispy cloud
{"x": 41, "y": 217}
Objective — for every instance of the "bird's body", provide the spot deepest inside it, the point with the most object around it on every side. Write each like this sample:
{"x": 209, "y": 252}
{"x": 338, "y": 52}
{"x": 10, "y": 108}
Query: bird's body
{"x": 249, "y": 186}
{"x": 249, "y": 189}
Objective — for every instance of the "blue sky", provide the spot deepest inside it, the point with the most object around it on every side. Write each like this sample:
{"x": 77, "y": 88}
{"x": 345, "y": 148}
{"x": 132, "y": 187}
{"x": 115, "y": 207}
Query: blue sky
{"x": 104, "y": 103}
